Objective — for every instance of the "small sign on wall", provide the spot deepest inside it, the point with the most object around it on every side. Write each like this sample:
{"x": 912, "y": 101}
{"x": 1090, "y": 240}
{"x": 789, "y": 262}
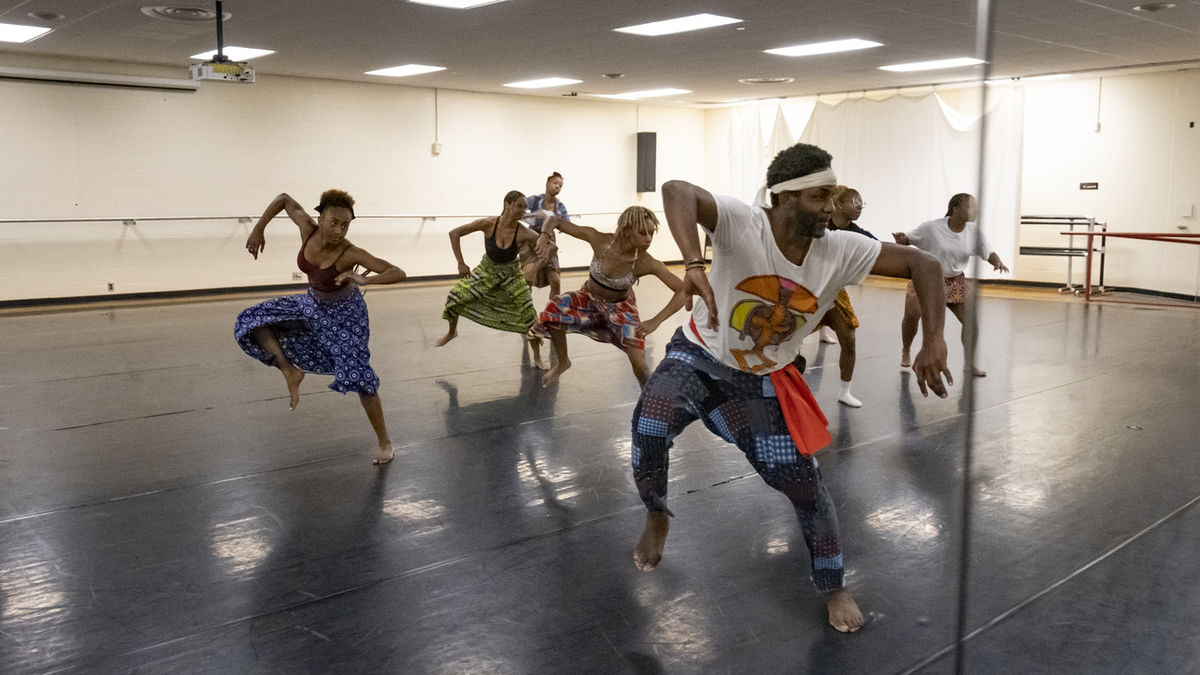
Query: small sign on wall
{"x": 1089, "y": 186}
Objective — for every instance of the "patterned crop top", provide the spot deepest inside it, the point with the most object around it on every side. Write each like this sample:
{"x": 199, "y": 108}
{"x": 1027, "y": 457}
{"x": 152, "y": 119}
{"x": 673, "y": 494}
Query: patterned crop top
{"x": 320, "y": 278}
{"x": 620, "y": 284}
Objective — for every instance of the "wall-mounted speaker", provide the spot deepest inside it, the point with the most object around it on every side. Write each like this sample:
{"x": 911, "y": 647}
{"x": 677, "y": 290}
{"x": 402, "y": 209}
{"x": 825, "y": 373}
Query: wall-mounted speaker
{"x": 647, "y": 146}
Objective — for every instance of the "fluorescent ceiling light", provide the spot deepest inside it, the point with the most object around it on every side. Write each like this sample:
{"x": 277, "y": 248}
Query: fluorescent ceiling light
{"x": 11, "y": 32}
{"x": 405, "y": 70}
{"x": 235, "y": 53}
{"x": 543, "y": 83}
{"x": 680, "y": 25}
{"x": 847, "y": 45}
{"x": 931, "y": 65}
{"x": 646, "y": 93}
{"x": 455, "y": 4}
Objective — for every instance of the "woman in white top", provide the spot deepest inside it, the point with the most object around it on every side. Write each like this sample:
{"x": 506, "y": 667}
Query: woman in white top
{"x": 952, "y": 240}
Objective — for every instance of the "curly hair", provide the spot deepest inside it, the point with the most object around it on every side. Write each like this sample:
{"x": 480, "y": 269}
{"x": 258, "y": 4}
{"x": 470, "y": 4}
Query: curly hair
{"x": 634, "y": 219}
{"x": 960, "y": 199}
{"x": 336, "y": 198}
{"x": 553, "y": 176}
{"x": 799, "y": 160}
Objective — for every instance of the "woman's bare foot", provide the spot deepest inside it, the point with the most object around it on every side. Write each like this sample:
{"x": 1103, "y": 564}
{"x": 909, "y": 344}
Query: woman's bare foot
{"x": 649, "y": 549}
{"x": 294, "y": 376}
{"x": 383, "y": 454}
{"x": 844, "y": 614}
{"x": 445, "y": 338}
{"x": 535, "y": 346}
{"x": 978, "y": 373}
{"x": 552, "y": 375}
{"x": 905, "y": 359}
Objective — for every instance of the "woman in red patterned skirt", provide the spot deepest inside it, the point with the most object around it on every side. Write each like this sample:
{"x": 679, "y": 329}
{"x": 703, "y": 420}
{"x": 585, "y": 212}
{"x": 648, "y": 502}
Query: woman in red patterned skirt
{"x": 605, "y": 309}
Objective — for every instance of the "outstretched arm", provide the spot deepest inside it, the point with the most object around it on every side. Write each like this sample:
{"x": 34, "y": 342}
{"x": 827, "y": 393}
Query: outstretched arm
{"x": 685, "y": 206}
{"x": 588, "y": 234}
{"x": 926, "y": 275}
{"x": 457, "y": 233}
{"x": 658, "y": 269}
{"x": 545, "y": 241}
{"x": 257, "y": 241}
{"x": 996, "y": 263}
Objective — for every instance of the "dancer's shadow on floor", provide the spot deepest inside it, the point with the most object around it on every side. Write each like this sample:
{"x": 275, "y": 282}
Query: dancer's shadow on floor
{"x": 522, "y": 442}
{"x": 486, "y": 411}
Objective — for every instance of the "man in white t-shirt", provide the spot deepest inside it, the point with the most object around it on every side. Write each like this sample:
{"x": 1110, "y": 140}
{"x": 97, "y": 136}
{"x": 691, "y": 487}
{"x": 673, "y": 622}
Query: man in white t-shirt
{"x": 775, "y": 272}
{"x": 952, "y": 240}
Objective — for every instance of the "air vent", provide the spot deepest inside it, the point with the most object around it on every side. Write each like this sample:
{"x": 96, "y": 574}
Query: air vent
{"x": 767, "y": 80}
{"x": 183, "y": 14}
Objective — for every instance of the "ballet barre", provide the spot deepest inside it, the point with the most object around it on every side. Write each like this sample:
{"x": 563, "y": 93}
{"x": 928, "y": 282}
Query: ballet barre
{"x": 1144, "y": 236}
{"x": 1070, "y": 251}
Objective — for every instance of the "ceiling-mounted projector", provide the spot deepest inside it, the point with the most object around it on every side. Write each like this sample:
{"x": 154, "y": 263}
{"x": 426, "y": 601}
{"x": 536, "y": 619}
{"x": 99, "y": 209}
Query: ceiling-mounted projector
{"x": 228, "y": 71}
{"x": 220, "y": 67}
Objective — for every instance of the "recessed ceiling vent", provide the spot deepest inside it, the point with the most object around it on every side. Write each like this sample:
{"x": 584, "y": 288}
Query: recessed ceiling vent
{"x": 183, "y": 14}
{"x": 767, "y": 80}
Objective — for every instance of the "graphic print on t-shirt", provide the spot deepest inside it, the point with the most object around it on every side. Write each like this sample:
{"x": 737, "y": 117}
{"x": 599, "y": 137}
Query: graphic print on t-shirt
{"x": 771, "y": 322}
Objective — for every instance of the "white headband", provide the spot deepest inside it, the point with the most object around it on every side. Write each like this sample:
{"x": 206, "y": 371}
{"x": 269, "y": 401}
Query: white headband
{"x": 818, "y": 179}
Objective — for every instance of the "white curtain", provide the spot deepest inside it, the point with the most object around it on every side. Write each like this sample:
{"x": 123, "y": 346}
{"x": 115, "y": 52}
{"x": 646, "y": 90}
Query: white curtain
{"x": 757, "y": 133}
{"x": 746, "y": 151}
{"x": 907, "y": 156}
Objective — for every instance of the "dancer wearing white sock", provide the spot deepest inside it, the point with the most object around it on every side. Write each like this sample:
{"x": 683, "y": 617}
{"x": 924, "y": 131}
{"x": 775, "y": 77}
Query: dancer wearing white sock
{"x": 839, "y": 322}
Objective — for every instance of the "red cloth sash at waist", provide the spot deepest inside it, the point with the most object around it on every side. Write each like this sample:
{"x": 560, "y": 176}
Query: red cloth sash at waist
{"x": 805, "y": 421}
{"x": 807, "y": 425}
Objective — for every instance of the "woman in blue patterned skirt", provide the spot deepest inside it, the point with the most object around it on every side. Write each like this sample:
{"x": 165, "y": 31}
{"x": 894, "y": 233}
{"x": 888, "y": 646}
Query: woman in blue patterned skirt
{"x": 324, "y": 330}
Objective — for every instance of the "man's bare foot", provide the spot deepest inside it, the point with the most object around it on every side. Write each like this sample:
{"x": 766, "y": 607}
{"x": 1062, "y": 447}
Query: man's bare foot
{"x": 905, "y": 359}
{"x": 978, "y": 373}
{"x": 441, "y": 342}
{"x": 649, "y": 549}
{"x": 383, "y": 454}
{"x": 844, "y": 614}
{"x": 294, "y": 376}
{"x": 552, "y": 375}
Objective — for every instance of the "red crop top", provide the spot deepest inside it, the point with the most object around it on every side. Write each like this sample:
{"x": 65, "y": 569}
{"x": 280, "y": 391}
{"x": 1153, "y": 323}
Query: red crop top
{"x": 320, "y": 278}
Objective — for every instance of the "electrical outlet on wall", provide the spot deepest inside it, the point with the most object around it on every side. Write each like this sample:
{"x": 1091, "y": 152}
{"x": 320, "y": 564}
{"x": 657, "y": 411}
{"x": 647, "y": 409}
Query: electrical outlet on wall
{"x": 296, "y": 276}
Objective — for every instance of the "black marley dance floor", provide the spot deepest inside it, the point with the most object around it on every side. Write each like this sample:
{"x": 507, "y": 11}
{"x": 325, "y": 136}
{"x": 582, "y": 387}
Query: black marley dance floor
{"x": 162, "y": 511}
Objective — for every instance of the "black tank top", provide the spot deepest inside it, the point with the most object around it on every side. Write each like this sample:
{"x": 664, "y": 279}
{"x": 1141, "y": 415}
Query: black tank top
{"x": 497, "y": 254}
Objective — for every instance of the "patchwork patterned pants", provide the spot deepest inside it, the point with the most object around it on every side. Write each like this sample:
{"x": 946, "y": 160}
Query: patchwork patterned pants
{"x": 742, "y": 409}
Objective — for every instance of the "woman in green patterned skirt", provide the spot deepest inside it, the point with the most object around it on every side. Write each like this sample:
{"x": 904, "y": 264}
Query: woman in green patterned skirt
{"x": 494, "y": 294}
